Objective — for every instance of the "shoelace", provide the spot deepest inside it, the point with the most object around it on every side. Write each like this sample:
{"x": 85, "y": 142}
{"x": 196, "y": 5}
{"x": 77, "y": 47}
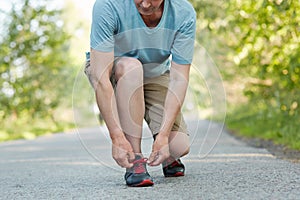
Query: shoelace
{"x": 139, "y": 165}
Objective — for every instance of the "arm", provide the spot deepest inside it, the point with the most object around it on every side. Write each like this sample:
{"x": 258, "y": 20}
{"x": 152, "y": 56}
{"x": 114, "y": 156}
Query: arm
{"x": 101, "y": 69}
{"x": 182, "y": 55}
{"x": 179, "y": 78}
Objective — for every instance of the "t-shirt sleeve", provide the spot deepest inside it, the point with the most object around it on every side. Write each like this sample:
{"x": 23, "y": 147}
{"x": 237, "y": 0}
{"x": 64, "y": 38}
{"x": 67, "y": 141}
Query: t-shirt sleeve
{"x": 183, "y": 46}
{"x": 103, "y": 27}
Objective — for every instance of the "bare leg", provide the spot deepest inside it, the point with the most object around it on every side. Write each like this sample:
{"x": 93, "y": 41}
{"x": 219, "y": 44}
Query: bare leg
{"x": 130, "y": 99}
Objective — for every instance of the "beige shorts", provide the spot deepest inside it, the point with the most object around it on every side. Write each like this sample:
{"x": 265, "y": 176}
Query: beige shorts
{"x": 155, "y": 91}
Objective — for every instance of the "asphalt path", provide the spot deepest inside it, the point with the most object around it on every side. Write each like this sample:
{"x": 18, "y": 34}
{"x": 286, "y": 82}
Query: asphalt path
{"x": 78, "y": 165}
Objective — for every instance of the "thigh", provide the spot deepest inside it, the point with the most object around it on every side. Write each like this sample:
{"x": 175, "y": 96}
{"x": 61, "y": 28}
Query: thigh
{"x": 155, "y": 91}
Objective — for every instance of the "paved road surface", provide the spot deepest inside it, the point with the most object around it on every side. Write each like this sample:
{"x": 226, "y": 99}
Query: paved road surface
{"x": 79, "y": 166}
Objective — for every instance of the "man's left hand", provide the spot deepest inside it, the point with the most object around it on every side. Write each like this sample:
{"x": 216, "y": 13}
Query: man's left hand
{"x": 160, "y": 150}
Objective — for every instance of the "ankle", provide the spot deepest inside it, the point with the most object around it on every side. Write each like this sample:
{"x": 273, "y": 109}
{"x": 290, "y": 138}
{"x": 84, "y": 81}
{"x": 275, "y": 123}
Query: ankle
{"x": 168, "y": 161}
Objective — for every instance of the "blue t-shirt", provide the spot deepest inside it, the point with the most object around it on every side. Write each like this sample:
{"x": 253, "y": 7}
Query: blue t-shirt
{"x": 117, "y": 26}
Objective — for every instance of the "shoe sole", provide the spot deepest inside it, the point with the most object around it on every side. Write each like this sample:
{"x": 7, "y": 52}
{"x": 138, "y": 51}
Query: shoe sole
{"x": 175, "y": 175}
{"x": 144, "y": 183}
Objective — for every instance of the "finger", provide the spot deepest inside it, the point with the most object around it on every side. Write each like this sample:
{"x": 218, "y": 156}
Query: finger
{"x": 158, "y": 161}
{"x": 131, "y": 156}
{"x": 124, "y": 163}
{"x": 153, "y": 157}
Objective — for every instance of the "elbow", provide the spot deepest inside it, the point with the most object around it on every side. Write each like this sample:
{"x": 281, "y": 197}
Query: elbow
{"x": 179, "y": 80}
{"x": 100, "y": 84}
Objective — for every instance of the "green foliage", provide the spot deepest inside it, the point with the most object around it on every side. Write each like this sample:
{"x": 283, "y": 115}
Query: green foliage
{"x": 29, "y": 128}
{"x": 266, "y": 41}
{"x": 33, "y": 63}
{"x": 257, "y": 120}
{"x": 257, "y": 42}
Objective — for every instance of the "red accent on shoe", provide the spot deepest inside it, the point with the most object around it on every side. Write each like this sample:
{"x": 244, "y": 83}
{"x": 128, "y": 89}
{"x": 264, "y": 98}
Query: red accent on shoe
{"x": 137, "y": 176}
{"x": 144, "y": 183}
{"x": 173, "y": 169}
{"x": 175, "y": 164}
{"x": 178, "y": 174}
{"x": 139, "y": 166}
{"x": 170, "y": 162}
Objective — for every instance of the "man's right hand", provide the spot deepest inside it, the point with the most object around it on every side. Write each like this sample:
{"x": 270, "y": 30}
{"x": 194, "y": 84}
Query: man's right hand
{"x": 122, "y": 152}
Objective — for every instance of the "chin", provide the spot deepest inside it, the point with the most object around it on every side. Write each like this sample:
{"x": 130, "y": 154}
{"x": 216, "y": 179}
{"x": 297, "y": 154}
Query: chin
{"x": 146, "y": 13}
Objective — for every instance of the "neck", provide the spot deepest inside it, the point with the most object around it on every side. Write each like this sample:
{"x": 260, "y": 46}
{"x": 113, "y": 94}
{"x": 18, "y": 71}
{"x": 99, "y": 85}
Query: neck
{"x": 153, "y": 19}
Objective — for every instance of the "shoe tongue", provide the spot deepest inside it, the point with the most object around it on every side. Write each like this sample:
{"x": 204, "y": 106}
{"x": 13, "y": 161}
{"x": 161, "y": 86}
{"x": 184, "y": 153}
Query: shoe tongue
{"x": 136, "y": 160}
{"x": 139, "y": 165}
{"x": 138, "y": 157}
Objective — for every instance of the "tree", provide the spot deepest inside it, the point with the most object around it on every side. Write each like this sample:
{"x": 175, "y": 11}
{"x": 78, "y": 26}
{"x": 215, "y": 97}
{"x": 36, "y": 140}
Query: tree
{"x": 260, "y": 40}
{"x": 33, "y": 61}
{"x": 265, "y": 39}
{"x": 260, "y": 43}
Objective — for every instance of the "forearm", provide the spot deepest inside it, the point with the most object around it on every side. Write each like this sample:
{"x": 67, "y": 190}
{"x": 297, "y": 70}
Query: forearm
{"x": 107, "y": 105}
{"x": 173, "y": 103}
{"x": 179, "y": 78}
{"x": 174, "y": 100}
{"x": 101, "y": 65}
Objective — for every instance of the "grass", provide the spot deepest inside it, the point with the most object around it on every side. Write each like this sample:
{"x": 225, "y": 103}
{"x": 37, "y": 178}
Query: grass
{"x": 30, "y": 128}
{"x": 255, "y": 120}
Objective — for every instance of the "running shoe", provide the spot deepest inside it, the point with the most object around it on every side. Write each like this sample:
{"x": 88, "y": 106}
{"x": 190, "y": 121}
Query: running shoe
{"x": 173, "y": 168}
{"x": 138, "y": 176}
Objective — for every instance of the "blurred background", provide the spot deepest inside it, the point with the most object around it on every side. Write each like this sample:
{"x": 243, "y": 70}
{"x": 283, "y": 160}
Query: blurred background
{"x": 255, "y": 46}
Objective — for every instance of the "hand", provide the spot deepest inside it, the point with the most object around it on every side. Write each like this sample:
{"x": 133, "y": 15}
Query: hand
{"x": 122, "y": 152}
{"x": 160, "y": 151}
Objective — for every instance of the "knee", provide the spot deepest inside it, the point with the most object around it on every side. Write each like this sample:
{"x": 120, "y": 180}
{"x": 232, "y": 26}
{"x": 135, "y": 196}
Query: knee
{"x": 129, "y": 69}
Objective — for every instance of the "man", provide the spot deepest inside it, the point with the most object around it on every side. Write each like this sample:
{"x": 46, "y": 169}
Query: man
{"x": 141, "y": 52}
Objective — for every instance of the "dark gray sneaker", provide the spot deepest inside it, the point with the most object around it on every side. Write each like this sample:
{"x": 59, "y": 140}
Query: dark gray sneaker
{"x": 138, "y": 176}
{"x": 173, "y": 169}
